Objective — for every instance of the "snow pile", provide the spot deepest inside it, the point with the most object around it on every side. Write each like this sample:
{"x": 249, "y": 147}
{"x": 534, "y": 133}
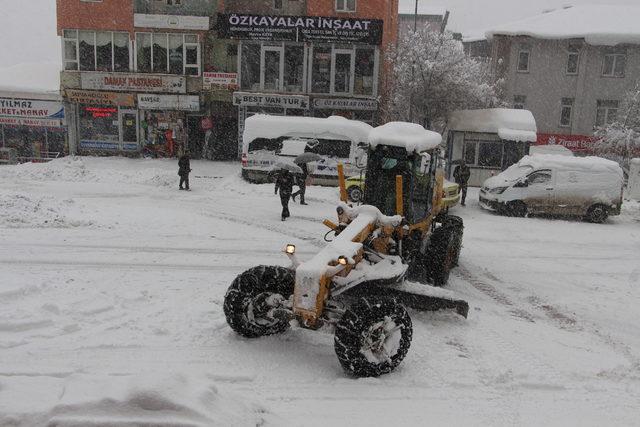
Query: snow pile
{"x": 24, "y": 211}
{"x": 590, "y": 163}
{"x": 150, "y": 400}
{"x": 601, "y": 25}
{"x": 559, "y": 150}
{"x": 411, "y": 136}
{"x": 272, "y": 127}
{"x": 509, "y": 124}
{"x": 63, "y": 169}
{"x": 408, "y": 7}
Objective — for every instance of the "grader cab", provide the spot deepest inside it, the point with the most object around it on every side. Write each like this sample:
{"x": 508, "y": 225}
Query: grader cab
{"x": 385, "y": 256}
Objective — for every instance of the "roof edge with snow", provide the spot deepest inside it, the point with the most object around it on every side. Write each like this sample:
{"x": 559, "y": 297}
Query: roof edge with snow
{"x": 508, "y": 124}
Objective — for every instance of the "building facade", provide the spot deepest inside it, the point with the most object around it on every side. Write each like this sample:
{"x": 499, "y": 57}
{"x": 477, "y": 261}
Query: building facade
{"x": 140, "y": 73}
{"x": 572, "y": 85}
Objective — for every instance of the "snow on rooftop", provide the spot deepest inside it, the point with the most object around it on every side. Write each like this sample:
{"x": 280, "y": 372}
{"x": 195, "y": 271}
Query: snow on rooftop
{"x": 590, "y": 163}
{"x": 411, "y": 136}
{"x": 271, "y": 127}
{"x": 510, "y": 125}
{"x": 605, "y": 25}
{"x": 31, "y": 77}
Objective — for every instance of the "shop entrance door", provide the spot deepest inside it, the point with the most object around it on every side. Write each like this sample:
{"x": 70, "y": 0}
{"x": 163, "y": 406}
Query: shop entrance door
{"x": 272, "y": 66}
{"x": 129, "y": 130}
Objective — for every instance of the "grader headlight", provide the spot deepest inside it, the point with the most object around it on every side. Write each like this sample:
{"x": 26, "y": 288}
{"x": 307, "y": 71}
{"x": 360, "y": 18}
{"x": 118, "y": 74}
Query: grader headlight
{"x": 290, "y": 249}
{"x": 343, "y": 260}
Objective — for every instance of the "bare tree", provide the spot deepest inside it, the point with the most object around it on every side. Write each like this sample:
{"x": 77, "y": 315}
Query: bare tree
{"x": 432, "y": 77}
{"x": 620, "y": 140}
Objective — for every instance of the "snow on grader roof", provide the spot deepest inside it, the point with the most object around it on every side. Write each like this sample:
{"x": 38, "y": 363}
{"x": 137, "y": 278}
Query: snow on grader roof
{"x": 410, "y": 136}
{"x": 591, "y": 163}
{"x": 509, "y": 124}
{"x": 600, "y": 25}
{"x": 334, "y": 127}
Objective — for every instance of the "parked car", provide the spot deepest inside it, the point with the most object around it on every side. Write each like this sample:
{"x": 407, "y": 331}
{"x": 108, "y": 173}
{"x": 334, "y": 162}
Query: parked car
{"x": 589, "y": 187}
{"x": 355, "y": 190}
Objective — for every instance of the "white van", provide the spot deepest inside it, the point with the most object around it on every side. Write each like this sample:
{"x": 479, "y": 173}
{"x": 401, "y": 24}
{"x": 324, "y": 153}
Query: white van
{"x": 589, "y": 187}
{"x": 269, "y": 139}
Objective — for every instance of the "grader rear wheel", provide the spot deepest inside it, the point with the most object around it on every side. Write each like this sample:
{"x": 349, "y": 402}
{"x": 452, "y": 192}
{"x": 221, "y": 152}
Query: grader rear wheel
{"x": 441, "y": 255}
{"x": 247, "y": 302}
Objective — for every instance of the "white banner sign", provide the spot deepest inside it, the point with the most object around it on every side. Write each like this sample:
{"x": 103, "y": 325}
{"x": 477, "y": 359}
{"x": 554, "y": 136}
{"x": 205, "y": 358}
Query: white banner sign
{"x": 18, "y": 108}
{"x": 17, "y": 121}
{"x": 220, "y": 79}
{"x": 244, "y": 99}
{"x": 168, "y": 102}
{"x": 200, "y": 23}
{"x": 345, "y": 104}
{"x": 133, "y": 82}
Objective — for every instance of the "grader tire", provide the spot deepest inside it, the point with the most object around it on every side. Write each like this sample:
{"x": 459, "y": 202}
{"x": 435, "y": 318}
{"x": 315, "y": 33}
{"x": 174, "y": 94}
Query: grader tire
{"x": 455, "y": 224}
{"x": 244, "y": 290}
{"x": 440, "y": 255}
{"x": 373, "y": 337}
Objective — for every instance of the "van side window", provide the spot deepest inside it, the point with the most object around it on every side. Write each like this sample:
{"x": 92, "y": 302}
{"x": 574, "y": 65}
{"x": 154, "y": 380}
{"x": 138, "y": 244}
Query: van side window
{"x": 540, "y": 177}
{"x": 259, "y": 144}
{"x": 330, "y": 147}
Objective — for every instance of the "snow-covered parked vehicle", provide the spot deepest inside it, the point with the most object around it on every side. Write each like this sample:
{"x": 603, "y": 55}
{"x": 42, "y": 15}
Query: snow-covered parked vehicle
{"x": 589, "y": 187}
{"x": 358, "y": 282}
{"x": 267, "y": 139}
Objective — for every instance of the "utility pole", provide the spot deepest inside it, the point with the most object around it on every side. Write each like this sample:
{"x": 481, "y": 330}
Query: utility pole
{"x": 415, "y": 29}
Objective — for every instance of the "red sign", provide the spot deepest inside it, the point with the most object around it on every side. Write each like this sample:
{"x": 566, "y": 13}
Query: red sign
{"x": 576, "y": 143}
{"x": 206, "y": 123}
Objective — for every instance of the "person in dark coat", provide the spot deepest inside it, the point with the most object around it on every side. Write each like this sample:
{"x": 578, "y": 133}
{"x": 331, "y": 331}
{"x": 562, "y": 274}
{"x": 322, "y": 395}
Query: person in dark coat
{"x": 461, "y": 174}
{"x": 184, "y": 167}
{"x": 284, "y": 184}
{"x": 302, "y": 184}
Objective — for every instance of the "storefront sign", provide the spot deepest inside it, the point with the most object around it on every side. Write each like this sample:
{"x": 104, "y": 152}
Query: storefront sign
{"x": 175, "y": 22}
{"x": 30, "y": 112}
{"x": 245, "y": 99}
{"x": 133, "y": 82}
{"x": 168, "y": 102}
{"x": 575, "y": 143}
{"x": 345, "y": 104}
{"x": 100, "y": 98}
{"x": 220, "y": 79}
{"x": 300, "y": 28}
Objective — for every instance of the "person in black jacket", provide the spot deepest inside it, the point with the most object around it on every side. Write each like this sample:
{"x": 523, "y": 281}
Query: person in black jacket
{"x": 184, "y": 167}
{"x": 302, "y": 184}
{"x": 284, "y": 184}
{"x": 461, "y": 174}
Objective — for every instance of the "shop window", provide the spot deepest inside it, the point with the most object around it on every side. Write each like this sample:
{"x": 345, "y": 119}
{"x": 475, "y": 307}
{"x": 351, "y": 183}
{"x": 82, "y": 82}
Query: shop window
{"x": 342, "y": 75}
{"x": 168, "y": 53}
{"x": 95, "y": 51}
{"x": 99, "y": 124}
{"x": 271, "y": 68}
{"x": 250, "y": 66}
{"x": 321, "y": 70}
{"x": 293, "y": 68}
{"x": 364, "y": 73}
{"x": 483, "y": 153}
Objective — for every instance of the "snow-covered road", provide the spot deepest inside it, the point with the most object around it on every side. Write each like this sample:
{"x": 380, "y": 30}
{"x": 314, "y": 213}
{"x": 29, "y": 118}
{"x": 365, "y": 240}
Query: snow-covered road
{"x": 111, "y": 290}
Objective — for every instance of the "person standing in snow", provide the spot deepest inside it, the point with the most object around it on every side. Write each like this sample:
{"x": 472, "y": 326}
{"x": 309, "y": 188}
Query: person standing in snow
{"x": 302, "y": 184}
{"x": 284, "y": 184}
{"x": 184, "y": 167}
{"x": 461, "y": 174}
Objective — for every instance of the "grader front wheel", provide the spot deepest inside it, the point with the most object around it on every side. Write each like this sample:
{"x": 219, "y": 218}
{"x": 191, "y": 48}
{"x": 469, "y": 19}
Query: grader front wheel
{"x": 373, "y": 337}
{"x": 248, "y": 302}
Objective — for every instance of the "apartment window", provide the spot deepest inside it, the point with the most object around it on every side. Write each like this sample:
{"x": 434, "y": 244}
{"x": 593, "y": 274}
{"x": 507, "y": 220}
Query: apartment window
{"x": 345, "y": 5}
{"x": 614, "y": 65}
{"x": 95, "y": 50}
{"x": 168, "y": 53}
{"x": 523, "y": 61}
{"x": 573, "y": 60}
{"x": 606, "y": 113}
{"x": 273, "y": 66}
{"x": 277, "y": 4}
{"x": 483, "y": 153}
{"x": 566, "y": 111}
{"x": 519, "y": 102}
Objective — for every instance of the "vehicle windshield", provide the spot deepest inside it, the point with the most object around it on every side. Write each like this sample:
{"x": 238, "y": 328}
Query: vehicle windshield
{"x": 515, "y": 172}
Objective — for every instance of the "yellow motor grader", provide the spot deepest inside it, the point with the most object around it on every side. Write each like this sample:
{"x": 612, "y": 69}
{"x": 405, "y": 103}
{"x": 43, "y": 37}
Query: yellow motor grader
{"x": 384, "y": 257}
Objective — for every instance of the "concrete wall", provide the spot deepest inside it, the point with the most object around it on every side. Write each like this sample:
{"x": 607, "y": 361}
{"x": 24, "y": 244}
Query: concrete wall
{"x": 116, "y": 15}
{"x": 547, "y": 81}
